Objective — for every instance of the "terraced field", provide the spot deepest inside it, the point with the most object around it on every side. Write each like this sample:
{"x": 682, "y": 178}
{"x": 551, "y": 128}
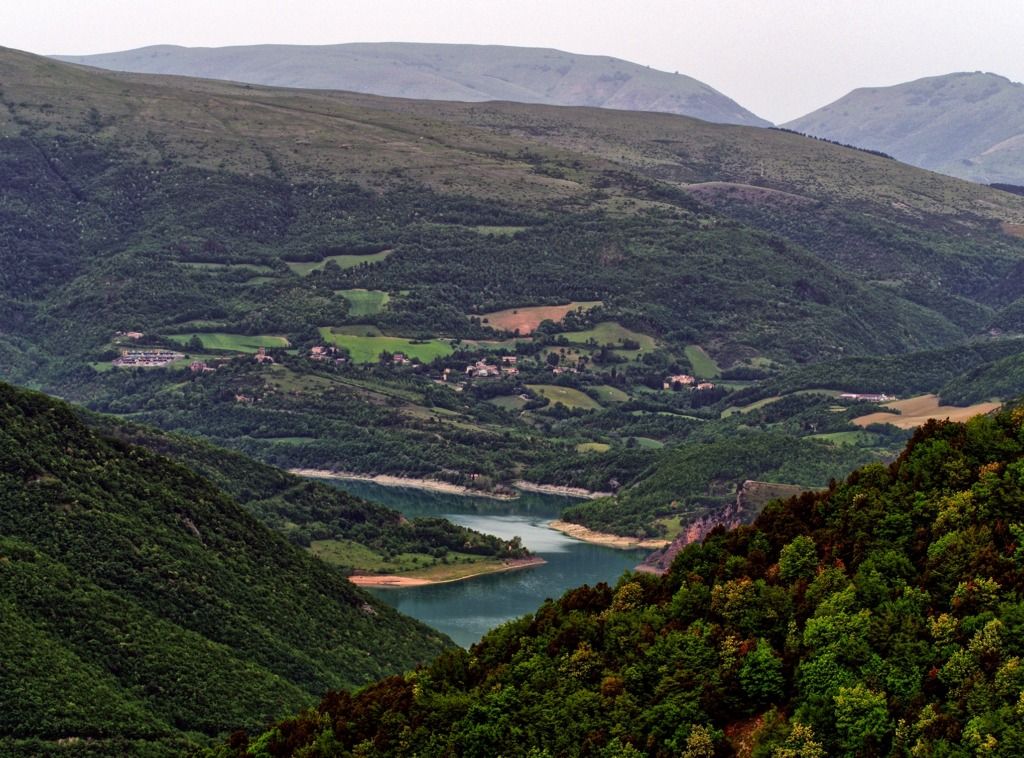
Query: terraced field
{"x": 367, "y": 346}
{"x": 567, "y": 396}
{"x": 345, "y": 260}
{"x": 915, "y": 411}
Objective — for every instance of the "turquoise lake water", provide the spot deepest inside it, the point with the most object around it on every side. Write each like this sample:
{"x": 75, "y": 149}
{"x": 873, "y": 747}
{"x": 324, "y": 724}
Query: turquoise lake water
{"x": 466, "y": 610}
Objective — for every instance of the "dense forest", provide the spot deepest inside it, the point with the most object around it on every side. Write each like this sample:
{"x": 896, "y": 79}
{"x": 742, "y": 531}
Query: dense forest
{"x": 144, "y": 610}
{"x": 880, "y": 617}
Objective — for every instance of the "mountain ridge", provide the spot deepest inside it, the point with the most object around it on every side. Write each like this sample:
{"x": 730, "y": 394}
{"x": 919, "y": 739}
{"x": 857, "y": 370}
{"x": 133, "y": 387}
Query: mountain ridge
{"x": 470, "y": 73}
{"x": 966, "y": 124}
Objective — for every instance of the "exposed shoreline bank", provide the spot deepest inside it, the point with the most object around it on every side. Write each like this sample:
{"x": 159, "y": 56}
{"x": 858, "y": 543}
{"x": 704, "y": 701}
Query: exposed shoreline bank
{"x": 607, "y": 540}
{"x": 436, "y": 485}
{"x": 387, "y": 480}
{"x": 399, "y": 580}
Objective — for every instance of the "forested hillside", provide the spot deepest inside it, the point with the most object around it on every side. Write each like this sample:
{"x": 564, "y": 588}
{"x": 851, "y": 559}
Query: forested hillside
{"x": 881, "y": 617}
{"x": 144, "y": 610}
{"x": 482, "y": 292}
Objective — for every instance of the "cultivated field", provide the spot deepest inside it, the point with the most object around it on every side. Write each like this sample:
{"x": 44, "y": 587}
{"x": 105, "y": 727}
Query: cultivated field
{"x": 305, "y": 268}
{"x": 365, "y": 302}
{"x": 567, "y": 396}
{"x": 527, "y": 319}
{"x": 239, "y": 343}
{"x": 915, "y": 411}
{"x": 366, "y": 347}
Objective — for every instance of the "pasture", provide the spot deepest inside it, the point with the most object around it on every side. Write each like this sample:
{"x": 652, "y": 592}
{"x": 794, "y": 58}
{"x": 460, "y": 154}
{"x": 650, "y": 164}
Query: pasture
{"x": 614, "y": 335}
{"x": 238, "y": 343}
{"x": 593, "y": 447}
{"x": 345, "y": 260}
{"x": 567, "y": 396}
{"x": 365, "y": 344}
{"x": 528, "y": 318}
{"x": 252, "y": 268}
{"x": 704, "y": 366}
{"x": 915, "y": 411}
{"x": 364, "y": 302}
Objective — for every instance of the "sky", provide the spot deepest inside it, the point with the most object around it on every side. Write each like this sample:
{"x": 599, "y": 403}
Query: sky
{"x": 778, "y": 58}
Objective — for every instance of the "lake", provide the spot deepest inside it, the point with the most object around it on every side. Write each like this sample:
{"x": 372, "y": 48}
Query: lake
{"x": 466, "y": 610}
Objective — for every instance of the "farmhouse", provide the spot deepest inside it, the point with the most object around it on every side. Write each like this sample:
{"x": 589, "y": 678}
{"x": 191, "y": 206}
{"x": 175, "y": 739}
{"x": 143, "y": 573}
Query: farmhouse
{"x": 200, "y": 367}
{"x": 706, "y": 386}
{"x": 482, "y": 369}
{"x": 679, "y": 380}
{"x": 262, "y": 357}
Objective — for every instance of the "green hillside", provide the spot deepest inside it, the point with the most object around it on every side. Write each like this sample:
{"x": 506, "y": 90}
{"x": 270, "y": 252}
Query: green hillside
{"x": 143, "y": 604}
{"x": 882, "y": 617}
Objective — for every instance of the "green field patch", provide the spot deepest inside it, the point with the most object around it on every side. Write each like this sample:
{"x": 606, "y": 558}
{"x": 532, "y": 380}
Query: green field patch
{"x": 593, "y": 447}
{"x": 501, "y": 231}
{"x": 239, "y": 343}
{"x": 863, "y": 439}
{"x": 647, "y": 443}
{"x": 615, "y": 335}
{"x": 366, "y": 347}
{"x": 364, "y": 302}
{"x": 345, "y": 260}
{"x": 349, "y": 554}
{"x": 703, "y": 364}
{"x": 258, "y": 280}
{"x": 608, "y": 394}
{"x": 255, "y": 268}
{"x": 567, "y": 396}
{"x": 509, "y": 344}
{"x": 508, "y": 402}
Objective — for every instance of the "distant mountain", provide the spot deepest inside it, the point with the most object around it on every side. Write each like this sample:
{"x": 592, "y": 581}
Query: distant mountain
{"x": 969, "y": 125}
{"x": 470, "y": 73}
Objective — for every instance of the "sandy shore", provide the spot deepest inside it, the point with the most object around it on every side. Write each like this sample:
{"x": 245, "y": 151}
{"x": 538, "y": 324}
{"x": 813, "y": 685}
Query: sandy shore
{"x": 608, "y": 540}
{"x": 397, "y": 580}
{"x": 433, "y": 485}
{"x": 554, "y": 489}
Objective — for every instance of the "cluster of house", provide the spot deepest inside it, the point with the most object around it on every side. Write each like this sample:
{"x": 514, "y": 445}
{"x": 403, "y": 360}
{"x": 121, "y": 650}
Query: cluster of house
{"x": 200, "y": 367}
{"x": 868, "y": 397}
{"x": 328, "y": 353}
{"x": 686, "y": 380}
{"x": 484, "y": 370}
{"x": 146, "y": 357}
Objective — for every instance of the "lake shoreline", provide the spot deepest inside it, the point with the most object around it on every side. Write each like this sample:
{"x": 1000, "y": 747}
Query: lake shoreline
{"x": 448, "y": 488}
{"x": 401, "y": 581}
{"x": 387, "y": 480}
{"x": 607, "y": 540}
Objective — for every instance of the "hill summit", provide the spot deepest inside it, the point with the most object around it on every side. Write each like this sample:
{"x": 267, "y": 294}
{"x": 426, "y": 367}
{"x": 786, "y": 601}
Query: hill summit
{"x": 969, "y": 125}
{"x": 469, "y": 73}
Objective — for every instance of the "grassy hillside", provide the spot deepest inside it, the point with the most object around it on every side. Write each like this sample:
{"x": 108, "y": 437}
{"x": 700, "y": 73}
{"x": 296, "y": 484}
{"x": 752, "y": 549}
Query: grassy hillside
{"x": 143, "y": 603}
{"x": 880, "y": 617}
{"x": 467, "y": 73}
{"x": 969, "y": 125}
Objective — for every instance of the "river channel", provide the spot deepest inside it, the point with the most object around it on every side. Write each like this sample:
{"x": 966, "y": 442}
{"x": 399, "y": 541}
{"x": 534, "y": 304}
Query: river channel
{"x": 467, "y": 609}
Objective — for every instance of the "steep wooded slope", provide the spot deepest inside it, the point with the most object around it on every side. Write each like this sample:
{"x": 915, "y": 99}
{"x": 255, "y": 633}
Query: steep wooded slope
{"x": 142, "y": 603}
{"x": 881, "y": 617}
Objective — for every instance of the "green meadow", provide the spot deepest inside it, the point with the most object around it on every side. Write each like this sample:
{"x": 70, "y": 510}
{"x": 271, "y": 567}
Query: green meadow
{"x": 364, "y": 302}
{"x": 366, "y": 347}
{"x": 345, "y": 260}
{"x": 239, "y": 343}
{"x": 567, "y": 396}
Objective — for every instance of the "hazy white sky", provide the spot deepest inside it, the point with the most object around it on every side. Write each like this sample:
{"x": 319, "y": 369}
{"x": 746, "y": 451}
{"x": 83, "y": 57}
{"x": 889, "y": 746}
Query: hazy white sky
{"x": 779, "y": 58}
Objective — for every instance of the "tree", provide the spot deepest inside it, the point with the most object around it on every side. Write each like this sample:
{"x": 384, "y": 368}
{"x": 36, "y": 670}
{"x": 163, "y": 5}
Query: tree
{"x": 799, "y": 559}
{"x": 761, "y": 674}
